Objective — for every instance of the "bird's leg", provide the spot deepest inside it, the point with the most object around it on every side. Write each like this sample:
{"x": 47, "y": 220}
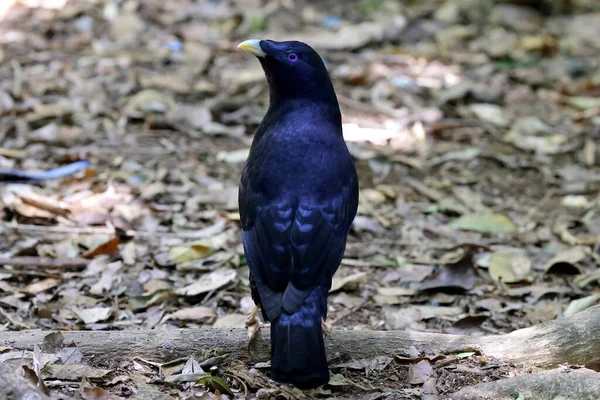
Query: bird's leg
{"x": 253, "y": 324}
{"x": 325, "y": 326}
{"x": 251, "y": 320}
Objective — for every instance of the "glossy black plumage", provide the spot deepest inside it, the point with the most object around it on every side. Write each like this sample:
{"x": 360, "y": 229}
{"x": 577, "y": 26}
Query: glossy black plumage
{"x": 298, "y": 197}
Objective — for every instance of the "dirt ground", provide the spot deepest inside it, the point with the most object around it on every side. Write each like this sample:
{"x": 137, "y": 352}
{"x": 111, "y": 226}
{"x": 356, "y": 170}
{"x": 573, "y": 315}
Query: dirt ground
{"x": 475, "y": 126}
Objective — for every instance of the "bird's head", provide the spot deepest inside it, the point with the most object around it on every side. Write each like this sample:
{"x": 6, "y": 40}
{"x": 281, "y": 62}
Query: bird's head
{"x": 293, "y": 69}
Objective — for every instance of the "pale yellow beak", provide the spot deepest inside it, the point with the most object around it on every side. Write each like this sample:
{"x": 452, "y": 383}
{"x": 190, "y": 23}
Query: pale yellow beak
{"x": 252, "y": 46}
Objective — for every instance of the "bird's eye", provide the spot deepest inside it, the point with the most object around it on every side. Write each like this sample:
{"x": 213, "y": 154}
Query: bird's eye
{"x": 292, "y": 57}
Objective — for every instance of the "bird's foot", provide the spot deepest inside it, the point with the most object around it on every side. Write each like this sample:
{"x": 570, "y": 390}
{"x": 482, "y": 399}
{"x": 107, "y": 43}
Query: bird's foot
{"x": 253, "y": 324}
{"x": 325, "y": 327}
{"x": 251, "y": 319}
{"x": 253, "y": 329}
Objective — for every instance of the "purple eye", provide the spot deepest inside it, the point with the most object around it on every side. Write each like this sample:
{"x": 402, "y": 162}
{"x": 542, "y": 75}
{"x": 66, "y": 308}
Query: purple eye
{"x": 292, "y": 57}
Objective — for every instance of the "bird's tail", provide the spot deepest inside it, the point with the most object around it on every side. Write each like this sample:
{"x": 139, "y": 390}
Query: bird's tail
{"x": 298, "y": 350}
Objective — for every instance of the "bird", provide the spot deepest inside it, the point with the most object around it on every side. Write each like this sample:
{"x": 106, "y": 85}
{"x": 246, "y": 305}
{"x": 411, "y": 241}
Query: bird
{"x": 298, "y": 197}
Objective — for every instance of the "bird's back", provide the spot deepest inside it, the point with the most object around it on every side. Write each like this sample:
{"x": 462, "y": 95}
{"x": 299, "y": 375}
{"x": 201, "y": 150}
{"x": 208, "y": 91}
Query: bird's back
{"x": 301, "y": 154}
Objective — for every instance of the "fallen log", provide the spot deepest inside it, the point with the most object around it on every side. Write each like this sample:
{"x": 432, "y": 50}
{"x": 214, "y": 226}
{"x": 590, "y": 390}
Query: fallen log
{"x": 546, "y": 385}
{"x": 573, "y": 340}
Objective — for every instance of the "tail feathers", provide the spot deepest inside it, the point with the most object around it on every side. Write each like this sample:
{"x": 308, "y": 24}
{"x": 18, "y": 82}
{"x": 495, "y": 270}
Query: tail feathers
{"x": 298, "y": 350}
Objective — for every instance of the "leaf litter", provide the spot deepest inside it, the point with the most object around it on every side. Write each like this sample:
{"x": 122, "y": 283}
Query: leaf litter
{"x": 477, "y": 156}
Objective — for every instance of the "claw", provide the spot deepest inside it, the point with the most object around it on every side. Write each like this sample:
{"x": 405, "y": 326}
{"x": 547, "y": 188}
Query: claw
{"x": 325, "y": 326}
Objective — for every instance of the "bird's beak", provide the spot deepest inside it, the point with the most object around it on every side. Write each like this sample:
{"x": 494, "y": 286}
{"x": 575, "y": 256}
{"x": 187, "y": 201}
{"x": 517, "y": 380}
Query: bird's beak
{"x": 252, "y": 46}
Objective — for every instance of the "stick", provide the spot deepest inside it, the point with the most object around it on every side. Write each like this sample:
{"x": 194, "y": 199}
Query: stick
{"x": 573, "y": 340}
{"x": 218, "y": 227}
{"x": 50, "y": 263}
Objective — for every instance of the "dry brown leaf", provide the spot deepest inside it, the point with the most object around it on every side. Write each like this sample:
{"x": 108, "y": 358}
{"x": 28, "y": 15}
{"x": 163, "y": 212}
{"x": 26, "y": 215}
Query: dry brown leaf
{"x": 567, "y": 262}
{"x": 41, "y": 286}
{"x": 420, "y": 372}
{"x": 111, "y": 246}
{"x": 193, "y": 314}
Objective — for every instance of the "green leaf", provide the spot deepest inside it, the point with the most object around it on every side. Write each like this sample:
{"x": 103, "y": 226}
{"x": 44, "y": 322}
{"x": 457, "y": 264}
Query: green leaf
{"x": 144, "y": 301}
{"x": 485, "y": 223}
{"x": 510, "y": 265}
{"x": 257, "y": 24}
{"x": 216, "y": 383}
{"x": 183, "y": 254}
{"x": 464, "y": 355}
{"x": 582, "y": 102}
{"x": 579, "y": 305}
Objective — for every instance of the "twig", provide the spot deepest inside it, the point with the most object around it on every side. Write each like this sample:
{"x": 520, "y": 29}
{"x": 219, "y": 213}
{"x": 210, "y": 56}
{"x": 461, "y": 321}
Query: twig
{"x": 28, "y": 273}
{"x": 87, "y": 230}
{"x": 58, "y": 263}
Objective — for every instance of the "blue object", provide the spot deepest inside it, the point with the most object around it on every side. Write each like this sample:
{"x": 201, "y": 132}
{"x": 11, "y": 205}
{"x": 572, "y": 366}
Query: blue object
{"x": 331, "y": 22}
{"x": 298, "y": 198}
{"x": 175, "y": 46}
{"x": 60, "y": 172}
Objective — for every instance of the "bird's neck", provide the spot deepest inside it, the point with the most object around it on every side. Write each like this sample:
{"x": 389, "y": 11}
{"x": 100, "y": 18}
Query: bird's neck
{"x": 325, "y": 107}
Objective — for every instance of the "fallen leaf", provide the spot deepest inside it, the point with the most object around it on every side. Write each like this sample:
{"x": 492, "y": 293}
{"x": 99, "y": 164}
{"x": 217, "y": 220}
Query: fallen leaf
{"x": 208, "y": 282}
{"x": 382, "y": 300}
{"x": 407, "y": 317}
{"x": 233, "y": 157}
{"x": 491, "y": 113}
{"x": 369, "y": 364}
{"x": 231, "y": 321}
{"x": 582, "y": 102}
{"x": 193, "y": 314}
{"x": 186, "y": 253}
{"x": 484, "y": 223}
{"x": 575, "y": 202}
{"x": 579, "y": 305}
{"x": 96, "y": 393}
{"x": 510, "y": 265}
{"x": 338, "y": 380}
{"x": 148, "y": 101}
{"x": 566, "y": 262}
{"x": 70, "y": 355}
{"x": 467, "y": 325}
{"x": 74, "y": 372}
{"x": 40, "y": 286}
{"x": 396, "y": 291}
{"x": 154, "y": 285}
{"x": 420, "y": 372}
{"x": 587, "y": 279}
{"x": 138, "y": 303}
{"x": 456, "y": 276}
{"x": 346, "y": 300}
{"x": 340, "y": 282}
{"x": 216, "y": 383}
{"x": 192, "y": 367}
{"x": 49, "y": 111}
{"x": 349, "y": 37}
{"x": 93, "y": 315}
{"x": 52, "y": 342}
{"x": 108, "y": 247}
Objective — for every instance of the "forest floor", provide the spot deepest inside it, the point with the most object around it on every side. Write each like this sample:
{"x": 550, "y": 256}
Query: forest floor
{"x": 475, "y": 126}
